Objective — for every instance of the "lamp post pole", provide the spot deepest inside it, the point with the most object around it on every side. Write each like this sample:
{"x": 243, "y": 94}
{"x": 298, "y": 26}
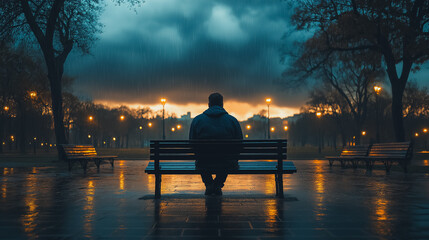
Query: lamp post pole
{"x": 163, "y": 101}
{"x": 377, "y": 90}
{"x": 268, "y": 101}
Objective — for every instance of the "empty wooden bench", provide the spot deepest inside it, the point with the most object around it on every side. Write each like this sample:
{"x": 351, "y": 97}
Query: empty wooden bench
{"x": 267, "y": 158}
{"x": 84, "y": 154}
{"x": 388, "y": 153}
{"x": 352, "y": 154}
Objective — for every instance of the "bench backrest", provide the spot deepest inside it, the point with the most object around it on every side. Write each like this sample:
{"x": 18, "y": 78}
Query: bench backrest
{"x": 391, "y": 150}
{"x": 78, "y": 150}
{"x": 249, "y": 149}
{"x": 355, "y": 151}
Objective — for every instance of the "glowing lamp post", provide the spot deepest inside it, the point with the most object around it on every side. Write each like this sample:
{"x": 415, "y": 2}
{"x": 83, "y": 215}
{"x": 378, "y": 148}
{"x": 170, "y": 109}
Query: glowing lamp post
{"x": 90, "y": 118}
{"x": 286, "y": 132}
{"x": 33, "y": 94}
{"x": 319, "y": 115}
{"x": 377, "y": 91}
{"x": 163, "y": 102}
{"x": 6, "y": 108}
{"x": 268, "y": 101}
{"x": 425, "y": 131}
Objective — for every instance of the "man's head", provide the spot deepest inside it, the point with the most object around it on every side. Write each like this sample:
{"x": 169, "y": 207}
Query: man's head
{"x": 215, "y": 99}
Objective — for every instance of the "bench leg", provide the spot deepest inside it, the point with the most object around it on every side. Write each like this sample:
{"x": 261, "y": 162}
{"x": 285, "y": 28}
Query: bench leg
{"x": 279, "y": 185}
{"x": 70, "y": 165}
{"x": 157, "y": 186}
{"x": 97, "y": 163}
{"x": 388, "y": 165}
{"x": 111, "y": 162}
{"x": 331, "y": 162}
{"x": 84, "y": 164}
{"x": 354, "y": 163}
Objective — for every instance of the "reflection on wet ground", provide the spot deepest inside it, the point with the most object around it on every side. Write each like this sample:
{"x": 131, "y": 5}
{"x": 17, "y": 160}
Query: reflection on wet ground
{"x": 319, "y": 203}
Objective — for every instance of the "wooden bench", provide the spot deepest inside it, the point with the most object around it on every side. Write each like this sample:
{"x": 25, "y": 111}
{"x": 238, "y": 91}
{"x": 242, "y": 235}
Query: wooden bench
{"x": 351, "y": 154}
{"x": 84, "y": 154}
{"x": 388, "y": 153}
{"x": 261, "y": 150}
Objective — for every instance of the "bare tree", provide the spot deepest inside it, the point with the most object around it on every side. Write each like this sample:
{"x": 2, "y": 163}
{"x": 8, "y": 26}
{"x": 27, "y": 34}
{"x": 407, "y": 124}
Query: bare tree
{"x": 398, "y": 30}
{"x": 58, "y": 26}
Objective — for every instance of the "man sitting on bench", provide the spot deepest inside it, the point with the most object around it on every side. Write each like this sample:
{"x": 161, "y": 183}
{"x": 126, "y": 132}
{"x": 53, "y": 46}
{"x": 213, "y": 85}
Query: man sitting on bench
{"x": 215, "y": 123}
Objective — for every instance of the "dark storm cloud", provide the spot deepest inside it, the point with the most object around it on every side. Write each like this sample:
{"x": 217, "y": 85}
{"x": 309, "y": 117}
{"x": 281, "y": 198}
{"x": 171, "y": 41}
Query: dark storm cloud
{"x": 186, "y": 49}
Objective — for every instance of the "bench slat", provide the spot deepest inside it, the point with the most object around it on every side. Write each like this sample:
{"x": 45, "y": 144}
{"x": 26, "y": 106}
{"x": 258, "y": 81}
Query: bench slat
{"x": 244, "y": 168}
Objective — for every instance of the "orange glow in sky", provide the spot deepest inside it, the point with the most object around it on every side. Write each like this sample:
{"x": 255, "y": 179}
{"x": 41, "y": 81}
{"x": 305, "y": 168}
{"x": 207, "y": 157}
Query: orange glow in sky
{"x": 240, "y": 110}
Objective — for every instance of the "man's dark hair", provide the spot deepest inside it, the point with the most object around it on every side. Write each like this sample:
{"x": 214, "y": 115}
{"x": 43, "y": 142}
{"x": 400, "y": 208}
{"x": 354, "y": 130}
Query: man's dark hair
{"x": 215, "y": 99}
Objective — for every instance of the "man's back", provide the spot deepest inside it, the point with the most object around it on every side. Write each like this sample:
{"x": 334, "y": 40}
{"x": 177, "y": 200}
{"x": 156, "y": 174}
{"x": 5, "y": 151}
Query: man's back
{"x": 215, "y": 123}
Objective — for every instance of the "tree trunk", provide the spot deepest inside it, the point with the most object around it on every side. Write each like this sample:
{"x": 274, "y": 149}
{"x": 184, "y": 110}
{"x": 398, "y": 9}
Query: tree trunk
{"x": 398, "y": 123}
{"x": 55, "y": 75}
{"x": 22, "y": 138}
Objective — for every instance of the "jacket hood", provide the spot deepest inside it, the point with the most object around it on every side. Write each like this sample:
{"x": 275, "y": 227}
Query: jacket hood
{"x": 215, "y": 111}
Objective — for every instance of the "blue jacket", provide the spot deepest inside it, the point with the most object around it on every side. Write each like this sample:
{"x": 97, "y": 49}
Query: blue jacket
{"x": 215, "y": 123}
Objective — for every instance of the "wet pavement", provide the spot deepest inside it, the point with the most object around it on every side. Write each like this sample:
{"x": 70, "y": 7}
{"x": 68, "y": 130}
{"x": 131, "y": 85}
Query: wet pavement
{"x": 320, "y": 203}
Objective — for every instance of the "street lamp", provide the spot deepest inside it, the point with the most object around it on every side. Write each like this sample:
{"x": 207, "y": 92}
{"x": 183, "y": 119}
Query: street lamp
{"x": 248, "y": 127}
{"x": 33, "y": 94}
{"x": 286, "y": 132}
{"x": 179, "y": 127}
{"x": 122, "y": 117}
{"x": 90, "y": 118}
{"x": 377, "y": 91}
{"x": 319, "y": 115}
{"x": 6, "y": 108}
{"x": 163, "y": 102}
{"x": 268, "y": 101}
{"x": 149, "y": 124}
{"x": 425, "y": 131}
{"x": 173, "y": 129}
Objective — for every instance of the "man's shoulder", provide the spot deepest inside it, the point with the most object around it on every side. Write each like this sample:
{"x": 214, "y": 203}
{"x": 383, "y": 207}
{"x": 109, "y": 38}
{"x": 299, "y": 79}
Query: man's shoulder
{"x": 231, "y": 117}
{"x": 198, "y": 117}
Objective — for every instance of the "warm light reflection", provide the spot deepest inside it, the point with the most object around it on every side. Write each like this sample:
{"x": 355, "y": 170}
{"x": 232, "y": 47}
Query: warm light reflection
{"x": 363, "y": 133}
{"x": 426, "y": 163}
{"x": 318, "y": 114}
{"x": 381, "y": 216}
{"x": 89, "y": 207}
{"x": 246, "y": 136}
{"x": 319, "y": 182}
{"x": 286, "y": 128}
{"x": 90, "y": 118}
{"x": 149, "y": 124}
{"x": 425, "y": 130}
{"x": 6, "y": 108}
{"x": 173, "y": 129}
{"x": 122, "y": 180}
{"x": 179, "y": 127}
{"x": 122, "y": 117}
{"x": 30, "y": 216}
{"x": 33, "y": 94}
{"x": 273, "y": 129}
{"x": 416, "y": 134}
{"x": 248, "y": 127}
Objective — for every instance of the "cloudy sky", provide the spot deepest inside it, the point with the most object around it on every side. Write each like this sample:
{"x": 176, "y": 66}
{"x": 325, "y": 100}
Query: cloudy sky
{"x": 184, "y": 50}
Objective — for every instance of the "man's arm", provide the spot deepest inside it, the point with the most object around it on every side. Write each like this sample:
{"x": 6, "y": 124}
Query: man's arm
{"x": 192, "y": 130}
{"x": 238, "y": 132}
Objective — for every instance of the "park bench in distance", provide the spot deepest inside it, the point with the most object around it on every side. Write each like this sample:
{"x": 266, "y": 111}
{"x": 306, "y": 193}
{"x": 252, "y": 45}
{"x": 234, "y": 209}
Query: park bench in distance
{"x": 84, "y": 154}
{"x": 388, "y": 153}
{"x": 261, "y": 150}
{"x": 352, "y": 154}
